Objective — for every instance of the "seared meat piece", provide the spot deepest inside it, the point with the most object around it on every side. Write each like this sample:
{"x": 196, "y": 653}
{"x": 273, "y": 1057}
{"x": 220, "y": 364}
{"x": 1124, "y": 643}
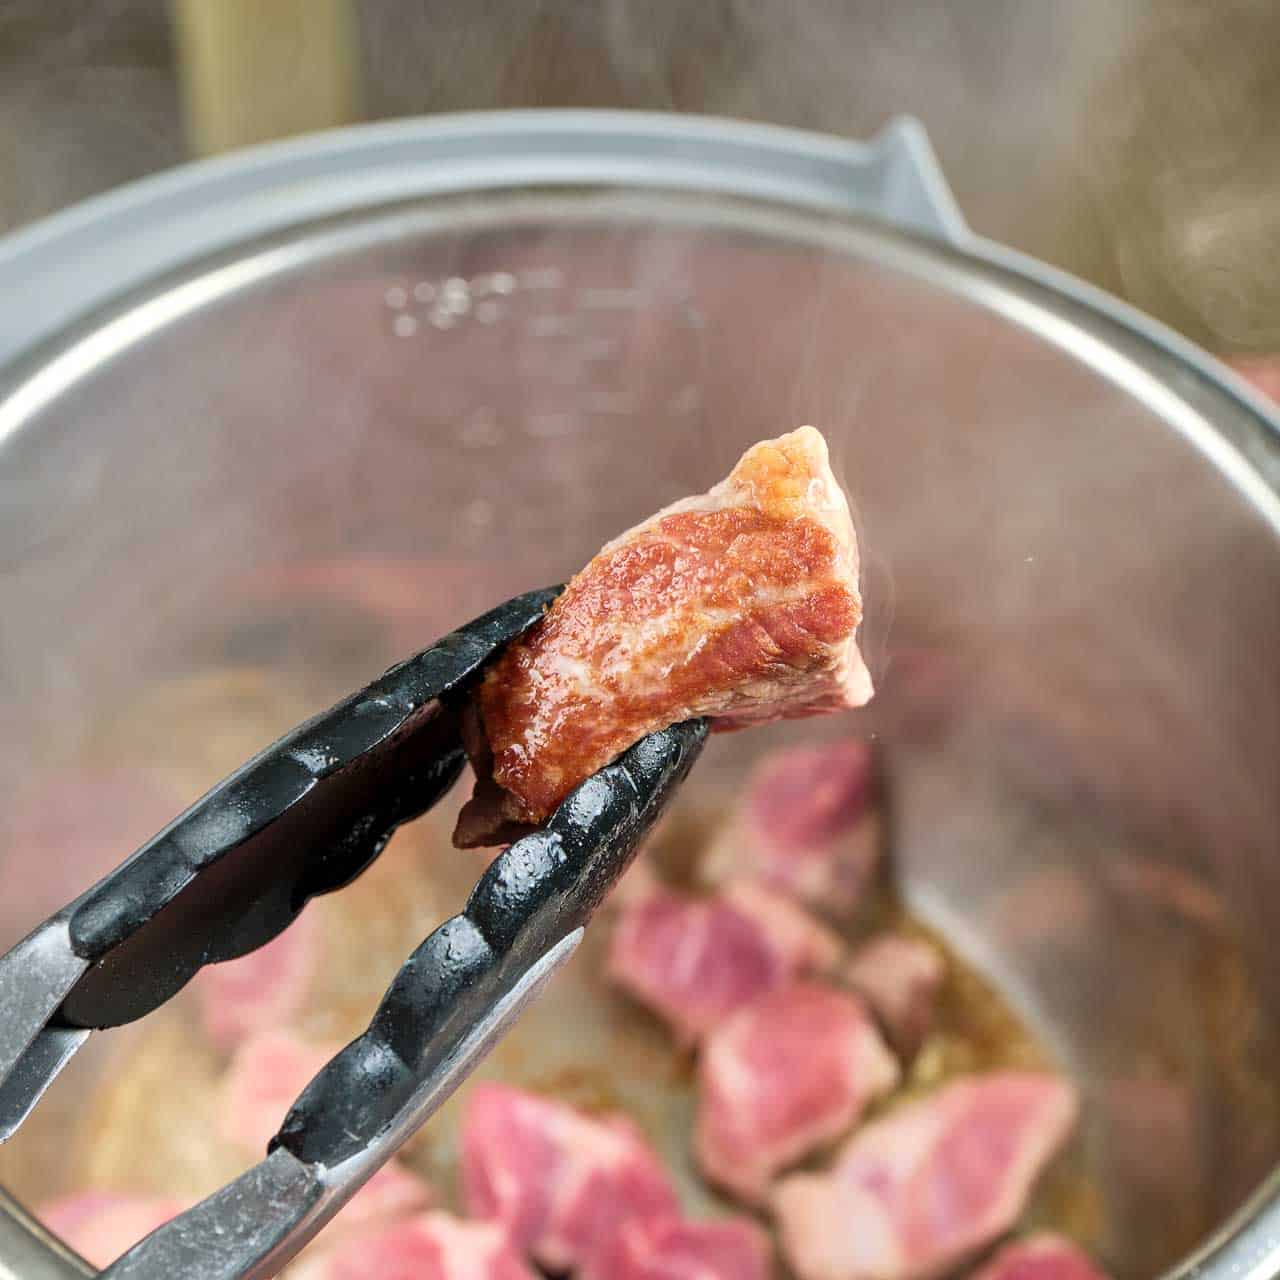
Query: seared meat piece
{"x": 919, "y": 1191}
{"x": 781, "y": 1078}
{"x": 741, "y": 604}
{"x": 695, "y": 960}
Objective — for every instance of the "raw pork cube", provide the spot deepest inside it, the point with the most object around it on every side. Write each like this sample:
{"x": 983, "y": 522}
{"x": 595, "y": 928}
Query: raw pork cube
{"x": 694, "y": 961}
{"x": 812, "y": 947}
{"x": 806, "y": 826}
{"x": 436, "y": 1246}
{"x": 782, "y": 1077}
{"x": 264, "y": 1079}
{"x": 741, "y": 604}
{"x": 679, "y": 1249}
{"x": 899, "y": 977}
{"x": 263, "y": 990}
{"x": 1041, "y": 1257}
{"x": 559, "y": 1182}
{"x": 100, "y": 1226}
{"x": 922, "y": 1189}
{"x": 266, "y": 1074}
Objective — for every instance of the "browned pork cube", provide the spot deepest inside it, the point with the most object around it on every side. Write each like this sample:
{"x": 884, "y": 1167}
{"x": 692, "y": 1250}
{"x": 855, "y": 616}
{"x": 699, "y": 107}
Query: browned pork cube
{"x": 741, "y": 604}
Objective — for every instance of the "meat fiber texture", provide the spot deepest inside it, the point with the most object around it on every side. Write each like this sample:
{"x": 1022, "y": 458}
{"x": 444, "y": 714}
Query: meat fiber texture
{"x": 806, "y": 826}
{"x": 782, "y": 1078}
{"x": 921, "y": 1190}
{"x": 1040, "y": 1257}
{"x": 899, "y": 977}
{"x": 560, "y": 1183}
{"x": 740, "y": 604}
{"x": 696, "y": 960}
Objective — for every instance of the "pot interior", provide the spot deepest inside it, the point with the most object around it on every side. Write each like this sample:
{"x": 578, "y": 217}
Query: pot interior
{"x": 260, "y": 483}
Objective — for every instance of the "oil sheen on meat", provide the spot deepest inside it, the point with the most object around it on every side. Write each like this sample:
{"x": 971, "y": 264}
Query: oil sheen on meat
{"x": 741, "y": 604}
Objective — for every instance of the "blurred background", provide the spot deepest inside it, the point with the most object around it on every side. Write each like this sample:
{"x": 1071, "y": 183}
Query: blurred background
{"x": 1133, "y": 142}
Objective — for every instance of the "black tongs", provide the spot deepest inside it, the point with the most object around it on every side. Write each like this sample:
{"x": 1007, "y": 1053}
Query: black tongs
{"x": 305, "y": 817}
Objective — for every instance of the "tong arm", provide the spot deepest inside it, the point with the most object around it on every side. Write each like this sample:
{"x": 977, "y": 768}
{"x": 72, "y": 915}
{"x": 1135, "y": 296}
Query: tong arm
{"x": 303, "y": 817}
{"x": 453, "y": 999}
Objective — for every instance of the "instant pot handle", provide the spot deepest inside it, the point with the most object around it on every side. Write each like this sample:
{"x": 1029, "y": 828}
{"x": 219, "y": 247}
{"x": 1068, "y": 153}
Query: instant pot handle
{"x": 901, "y": 181}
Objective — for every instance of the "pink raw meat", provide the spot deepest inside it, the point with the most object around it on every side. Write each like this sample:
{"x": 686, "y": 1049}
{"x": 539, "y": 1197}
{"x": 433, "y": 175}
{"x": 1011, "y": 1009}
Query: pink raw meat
{"x": 695, "y": 960}
{"x": 1041, "y": 1257}
{"x": 391, "y": 1193}
{"x": 809, "y": 944}
{"x": 679, "y": 1249}
{"x": 100, "y": 1226}
{"x": 262, "y": 991}
{"x": 899, "y": 977}
{"x": 919, "y": 1191}
{"x": 782, "y": 1077}
{"x": 436, "y": 1246}
{"x": 806, "y": 826}
{"x": 560, "y": 1182}
{"x": 266, "y": 1074}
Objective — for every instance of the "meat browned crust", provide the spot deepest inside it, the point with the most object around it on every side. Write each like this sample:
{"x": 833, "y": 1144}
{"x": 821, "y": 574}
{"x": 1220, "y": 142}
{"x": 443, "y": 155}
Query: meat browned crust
{"x": 740, "y": 604}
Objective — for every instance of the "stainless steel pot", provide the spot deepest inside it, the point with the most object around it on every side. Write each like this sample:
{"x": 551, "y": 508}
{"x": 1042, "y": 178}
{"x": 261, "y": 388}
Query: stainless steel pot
{"x": 485, "y": 343}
